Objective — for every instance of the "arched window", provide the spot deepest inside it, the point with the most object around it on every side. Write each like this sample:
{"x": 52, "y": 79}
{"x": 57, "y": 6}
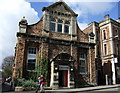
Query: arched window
{"x": 52, "y": 24}
{"x": 104, "y": 33}
{"x": 105, "y": 49}
{"x": 66, "y": 28}
{"x": 116, "y": 32}
{"x": 60, "y": 26}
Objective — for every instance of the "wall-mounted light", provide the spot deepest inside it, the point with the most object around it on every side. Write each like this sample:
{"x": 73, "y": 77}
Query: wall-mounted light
{"x": 71, "y": 69}
{"x": 56, "y": 68}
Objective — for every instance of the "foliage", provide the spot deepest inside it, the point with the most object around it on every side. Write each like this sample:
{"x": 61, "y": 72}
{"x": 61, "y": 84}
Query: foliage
{"x": 7, "y": 66}
{"x": 25, "y": 83}
{"x": 42, "y": 68}
{"x": 19, "y": 82}
{"x": 81, "y": 83}
{"x": 30, "y": 83}
{"x": 7, "y": 62}
{"x": 7, "y": 72}
{"x": 32, "y": 75}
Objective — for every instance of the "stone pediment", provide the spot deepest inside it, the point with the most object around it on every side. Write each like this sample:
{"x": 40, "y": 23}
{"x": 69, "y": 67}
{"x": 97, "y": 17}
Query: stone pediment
{"x": 61, "y": 7}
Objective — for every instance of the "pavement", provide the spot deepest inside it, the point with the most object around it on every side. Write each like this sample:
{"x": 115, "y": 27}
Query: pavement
{"x": 73, "y": 90}
{"x": 86, "y": 89}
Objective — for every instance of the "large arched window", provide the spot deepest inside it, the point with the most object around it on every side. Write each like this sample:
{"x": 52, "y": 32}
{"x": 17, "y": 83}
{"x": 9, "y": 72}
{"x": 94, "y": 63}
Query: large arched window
{"x": 52, "y": 24}
{"x": 60, "y": 26}
{"x": 66, "y": 28}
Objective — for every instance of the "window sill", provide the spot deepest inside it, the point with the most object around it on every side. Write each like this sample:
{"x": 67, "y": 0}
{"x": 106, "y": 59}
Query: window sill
{"x": 63, "y": 33}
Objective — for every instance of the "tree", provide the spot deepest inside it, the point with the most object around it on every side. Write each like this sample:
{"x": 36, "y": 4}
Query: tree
{"x": 7, "y": 66}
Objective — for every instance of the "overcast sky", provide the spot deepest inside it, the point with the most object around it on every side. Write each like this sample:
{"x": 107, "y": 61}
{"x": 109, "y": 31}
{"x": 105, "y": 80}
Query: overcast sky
{"x": 11, "y": 12}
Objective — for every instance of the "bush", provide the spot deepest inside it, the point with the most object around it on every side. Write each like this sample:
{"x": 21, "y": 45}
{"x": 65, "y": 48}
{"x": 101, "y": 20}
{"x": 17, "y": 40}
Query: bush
{"x": 25, "y": 83}
{"x": 30, "y": 83}
{"x": 19, "y": 82}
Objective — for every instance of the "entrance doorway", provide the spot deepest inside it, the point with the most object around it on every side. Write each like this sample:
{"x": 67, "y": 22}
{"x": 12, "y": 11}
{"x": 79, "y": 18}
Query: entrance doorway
{"x": 63, "y": 78}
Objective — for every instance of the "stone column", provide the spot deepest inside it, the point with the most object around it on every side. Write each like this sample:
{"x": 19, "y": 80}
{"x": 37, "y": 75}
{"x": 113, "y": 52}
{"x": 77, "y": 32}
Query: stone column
{"x": 113, "y": 72}
{"x": 92, "y": 67}
{"x": 19, "y": 59}
{"x": 73, "y": 26}
{"x": 46, "y": 23}
{"x": 52, "y": 73}
{"x": 71, "y": 76}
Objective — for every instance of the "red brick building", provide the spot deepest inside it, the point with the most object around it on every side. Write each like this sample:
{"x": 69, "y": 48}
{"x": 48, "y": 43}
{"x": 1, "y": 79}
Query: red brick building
{"x": 69, "y": 51}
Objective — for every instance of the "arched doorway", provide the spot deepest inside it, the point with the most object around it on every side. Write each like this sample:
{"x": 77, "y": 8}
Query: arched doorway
{"x": 62, "y": 73}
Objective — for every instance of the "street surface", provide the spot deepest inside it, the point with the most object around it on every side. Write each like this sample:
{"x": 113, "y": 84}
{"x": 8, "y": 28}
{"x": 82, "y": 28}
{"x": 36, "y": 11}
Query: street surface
{"x": 110, "y": 90}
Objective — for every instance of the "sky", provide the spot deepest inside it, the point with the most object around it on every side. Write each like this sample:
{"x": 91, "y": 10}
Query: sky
{"x": 12, "y": 11}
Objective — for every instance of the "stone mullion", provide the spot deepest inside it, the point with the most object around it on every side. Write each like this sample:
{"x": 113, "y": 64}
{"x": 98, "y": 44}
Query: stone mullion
{"x": 63, "y": 26}
{"x": 56, "y": 26}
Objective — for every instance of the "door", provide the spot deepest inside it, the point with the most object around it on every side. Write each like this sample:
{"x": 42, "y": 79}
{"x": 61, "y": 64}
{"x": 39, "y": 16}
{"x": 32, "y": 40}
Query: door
{"x": 63, "y": 78}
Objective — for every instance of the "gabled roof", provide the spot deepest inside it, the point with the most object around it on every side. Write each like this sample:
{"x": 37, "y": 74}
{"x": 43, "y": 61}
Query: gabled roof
{"x": 59, "y": 3}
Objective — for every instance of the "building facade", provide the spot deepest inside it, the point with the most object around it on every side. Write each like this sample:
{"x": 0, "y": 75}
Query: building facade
{"x": 70, "y": 52}
{"x": 107, "y": 37}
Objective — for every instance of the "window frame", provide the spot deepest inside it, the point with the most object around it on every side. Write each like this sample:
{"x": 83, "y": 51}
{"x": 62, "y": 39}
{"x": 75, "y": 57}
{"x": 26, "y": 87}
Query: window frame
{"x": 67, "y": 24}
{"x": 83, "y": 58}
{"x": 58, "y": 25}
{"x": 104, "y": 34}
{"x": 31, "y": 56}
{"x": 53, "y": 21}
{"x": 105, "y": 49}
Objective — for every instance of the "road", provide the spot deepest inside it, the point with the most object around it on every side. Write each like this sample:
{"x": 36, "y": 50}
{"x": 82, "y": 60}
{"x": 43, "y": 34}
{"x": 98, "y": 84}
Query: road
{"x": 112, "y": 90}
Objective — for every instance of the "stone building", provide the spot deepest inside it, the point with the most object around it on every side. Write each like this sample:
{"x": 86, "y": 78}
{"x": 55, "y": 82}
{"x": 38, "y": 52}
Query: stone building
{"x": 107, "y": 49}
{"x": 70, "y": 52}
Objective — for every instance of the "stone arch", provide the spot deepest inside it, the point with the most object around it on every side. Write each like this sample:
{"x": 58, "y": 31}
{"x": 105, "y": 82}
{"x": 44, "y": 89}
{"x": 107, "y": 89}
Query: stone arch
{"x": 62, "y": 66}
{"x": 62, "y": 55}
